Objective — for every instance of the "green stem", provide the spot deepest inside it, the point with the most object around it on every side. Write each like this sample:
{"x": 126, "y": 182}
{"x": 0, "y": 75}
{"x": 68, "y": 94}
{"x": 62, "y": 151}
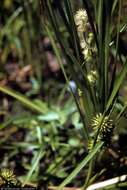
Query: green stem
{"x": 90, "y": 169}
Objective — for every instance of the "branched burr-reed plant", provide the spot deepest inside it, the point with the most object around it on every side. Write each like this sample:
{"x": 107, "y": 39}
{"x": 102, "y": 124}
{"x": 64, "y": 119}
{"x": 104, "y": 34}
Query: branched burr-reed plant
{"x": 88, "y": 38}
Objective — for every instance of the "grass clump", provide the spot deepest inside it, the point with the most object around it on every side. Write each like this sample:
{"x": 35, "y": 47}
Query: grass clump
{"x": 64, "y": 130}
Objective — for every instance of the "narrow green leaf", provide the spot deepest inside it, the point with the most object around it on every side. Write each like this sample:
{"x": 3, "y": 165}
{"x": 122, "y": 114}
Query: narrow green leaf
{"x": 114, "y": 6}
{"x": 117, "y": 44}
{"x": 34, "y": 166}
{"x": 80, "y": 166}
{"x": 22, "y": 99}
{"x": 117, "y": 85}
{"x": 73, "y": 27}
{"x": 101, "y": 25}
{"x": 120, "y": 114}
{"x": 66, "y": 77}
{"x": 107, "y": 48}
{"x": 50, "y": 116}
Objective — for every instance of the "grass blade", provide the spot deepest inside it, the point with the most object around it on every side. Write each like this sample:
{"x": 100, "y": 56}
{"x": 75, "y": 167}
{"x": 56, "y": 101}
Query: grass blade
{"x": 117, "y": 85}
{"x": 34, "y": 166}
{"x": 73, "y": 28}
{"x": 23, "y": 100}
{"x": 80, "y": 166}
{"x": 66, "y": 77}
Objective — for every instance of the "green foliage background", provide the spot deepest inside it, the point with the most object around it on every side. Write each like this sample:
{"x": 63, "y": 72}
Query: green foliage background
{"x": 57, "y": 129}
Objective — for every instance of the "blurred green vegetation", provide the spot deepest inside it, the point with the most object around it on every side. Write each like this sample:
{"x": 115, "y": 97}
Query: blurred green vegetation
{"x": 35, "y": 144}
{"x": 45, "y": 125}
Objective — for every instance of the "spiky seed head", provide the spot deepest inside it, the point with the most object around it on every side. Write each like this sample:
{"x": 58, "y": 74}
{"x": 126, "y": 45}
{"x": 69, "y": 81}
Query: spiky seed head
{"x": 105, "y": 122}
{"x": 106, "y": 127}
{"x": 8, "y": 176}
{"x": 107, "y": 130}
{"x": 8, "y": 179}
{"x": 96, "y": 121}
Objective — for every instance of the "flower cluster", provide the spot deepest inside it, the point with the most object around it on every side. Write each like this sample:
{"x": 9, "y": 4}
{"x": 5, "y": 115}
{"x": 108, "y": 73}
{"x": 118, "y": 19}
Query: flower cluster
{"x": 92, "y": 77}
{"x": 81, "y": 20}
{"x": 86, "y": 37}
